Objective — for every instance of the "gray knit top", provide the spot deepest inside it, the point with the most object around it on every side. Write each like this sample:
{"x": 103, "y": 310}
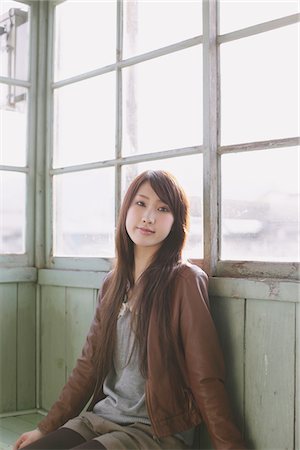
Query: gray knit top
{"x": 124, "y": 387}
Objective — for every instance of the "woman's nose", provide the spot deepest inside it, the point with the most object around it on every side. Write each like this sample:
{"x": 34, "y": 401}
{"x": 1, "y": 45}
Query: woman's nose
{"x": 148, "y": 218}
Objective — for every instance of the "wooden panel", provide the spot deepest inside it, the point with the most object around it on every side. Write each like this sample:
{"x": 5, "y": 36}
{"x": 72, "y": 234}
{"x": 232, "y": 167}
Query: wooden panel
{"x": 96, "y": 291}
{"x": 8, "y": 357}
{"x": 26, "y": 346}
{"x": 269, "y": 383}
{"x": 229, "y": 316}
{"x": 18, "y": 274}
{"x": 71, "y": 278}
{"x": 297, "y": 412}
{"x": 79, "y": 314}
{"x": 53, "y": 336}
{"x": 262, "y": 289}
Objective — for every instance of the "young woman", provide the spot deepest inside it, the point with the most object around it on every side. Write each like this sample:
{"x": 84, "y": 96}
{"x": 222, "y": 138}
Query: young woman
{"x": 152, "y": 364}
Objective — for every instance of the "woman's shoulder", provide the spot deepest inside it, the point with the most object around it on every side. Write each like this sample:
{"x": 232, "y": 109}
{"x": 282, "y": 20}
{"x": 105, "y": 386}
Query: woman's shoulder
{"x": 191, "y": 284}
{"x": 188, "y": 270}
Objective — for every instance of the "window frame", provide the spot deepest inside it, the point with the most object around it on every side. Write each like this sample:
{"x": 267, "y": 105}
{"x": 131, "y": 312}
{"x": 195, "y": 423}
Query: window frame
{"x": 210, "y": 148}
{"x": 27, "y": 258}
{"x": 240, "y": 268}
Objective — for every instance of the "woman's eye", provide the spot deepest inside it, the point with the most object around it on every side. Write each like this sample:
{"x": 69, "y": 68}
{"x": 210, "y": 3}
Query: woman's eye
{"x": 140, "y": 203}
{"x": 164, "y": 209}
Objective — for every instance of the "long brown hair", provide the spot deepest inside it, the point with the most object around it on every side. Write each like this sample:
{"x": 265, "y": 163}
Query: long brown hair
{"x": 155, "y": 284}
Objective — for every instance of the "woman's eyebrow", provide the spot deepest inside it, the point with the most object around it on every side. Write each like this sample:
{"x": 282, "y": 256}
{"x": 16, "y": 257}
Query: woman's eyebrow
{"x": 142, "y": 195}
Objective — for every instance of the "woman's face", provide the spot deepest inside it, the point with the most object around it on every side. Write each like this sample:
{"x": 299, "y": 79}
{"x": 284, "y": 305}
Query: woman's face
{"x": 149, "y": 220}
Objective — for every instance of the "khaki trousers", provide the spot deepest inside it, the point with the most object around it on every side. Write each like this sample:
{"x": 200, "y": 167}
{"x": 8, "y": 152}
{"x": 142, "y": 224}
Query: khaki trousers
{"x": 136, "y": 436}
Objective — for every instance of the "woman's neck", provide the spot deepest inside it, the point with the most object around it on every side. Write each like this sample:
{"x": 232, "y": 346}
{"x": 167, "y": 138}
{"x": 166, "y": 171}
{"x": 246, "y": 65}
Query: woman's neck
{"x": 142, "y": 259}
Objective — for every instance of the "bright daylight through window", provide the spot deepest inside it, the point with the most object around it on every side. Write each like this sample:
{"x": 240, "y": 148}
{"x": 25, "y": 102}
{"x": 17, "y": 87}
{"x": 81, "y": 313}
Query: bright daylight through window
{"x": 153, "y": 102}
{"x": 146, "y": 114}
{"x": 259, "y": 84}
{"x": 213, "y": 97}
{"x": 14, "y": 65}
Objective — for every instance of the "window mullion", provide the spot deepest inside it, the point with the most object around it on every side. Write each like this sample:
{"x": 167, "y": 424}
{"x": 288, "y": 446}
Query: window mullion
{"x": 262, "y": 145}
{"x": 31, "y": 140}
{"x": 210, "y": 136}
{"x": 48, "y": 133}
{"x": 119, "y": 111}
{"x": 259, "y": 28}
{"x": 40, "y": 127}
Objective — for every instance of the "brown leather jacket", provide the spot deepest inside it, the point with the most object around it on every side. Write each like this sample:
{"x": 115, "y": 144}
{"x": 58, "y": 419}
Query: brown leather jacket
{"x": 203, "y": 396}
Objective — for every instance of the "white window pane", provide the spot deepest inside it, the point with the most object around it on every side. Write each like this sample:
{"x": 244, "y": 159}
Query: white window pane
{"x": 84, "y": 121}
{"x": 171, "y": 21}
{"x": 260, "y": 87}
{"x": 12, "y": 212}
{"x": 260, "y": 205}
{"x": 13, "y": 125}
{"x": 85, "y": 36}
{"x": 189, "y": 172}
{"x": 237, "y": 14}
{"x": 14, "y": 39}
{"x": 162, "y": 103}
{"x": 83, "y": 211}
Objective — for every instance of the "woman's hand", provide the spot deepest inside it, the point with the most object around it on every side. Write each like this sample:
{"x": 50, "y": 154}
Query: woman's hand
{"x": 27, "y": 438}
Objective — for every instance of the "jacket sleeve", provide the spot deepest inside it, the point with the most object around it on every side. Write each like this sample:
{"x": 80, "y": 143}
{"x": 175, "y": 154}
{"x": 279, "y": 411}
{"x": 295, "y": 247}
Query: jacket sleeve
{"x": 81, "y": 382}
{"x": 204, "y": 361}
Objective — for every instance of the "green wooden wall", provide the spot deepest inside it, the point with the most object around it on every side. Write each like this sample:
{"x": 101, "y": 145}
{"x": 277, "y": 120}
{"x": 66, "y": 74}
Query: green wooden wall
{"x": 66, "y": 314}
{"x": 258, "y": 338}
{"x": 258, "y": 325}
{"x": 17, "y": 346}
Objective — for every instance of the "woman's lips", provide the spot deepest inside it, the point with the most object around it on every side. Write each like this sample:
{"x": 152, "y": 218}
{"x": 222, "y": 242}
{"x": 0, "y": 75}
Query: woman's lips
{"x": 145, "y": 231}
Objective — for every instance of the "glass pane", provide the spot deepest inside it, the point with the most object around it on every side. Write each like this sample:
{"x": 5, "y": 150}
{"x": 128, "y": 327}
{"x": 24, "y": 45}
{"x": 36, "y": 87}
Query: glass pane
{"x": 13, "y": 125}
{"x": 86, "y": 132}
{"x": 162, "y": 103}
{"x": 260, "y": 87}
{"x": 189, "y": 172}
{"x": 235, "y": 15}
{"x": 14, "y": 40}
{"x": 12, "y": 212}
{"x": 84, "y": 213}
{"x": 173, "y": 21}
{"x": 260, "y": 205}
{"x": 85, "y": 37}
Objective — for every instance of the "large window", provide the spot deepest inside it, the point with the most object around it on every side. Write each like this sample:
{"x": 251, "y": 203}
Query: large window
{"x": 124, "y": 99}
{"x": 98, "y": 91}
{"x": 206, "y": 90}
{"x": 16, "y": 143}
